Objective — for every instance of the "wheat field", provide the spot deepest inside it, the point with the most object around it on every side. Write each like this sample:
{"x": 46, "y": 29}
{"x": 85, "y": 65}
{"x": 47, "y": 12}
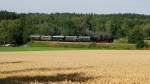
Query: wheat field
{"x": 75, "y": 67}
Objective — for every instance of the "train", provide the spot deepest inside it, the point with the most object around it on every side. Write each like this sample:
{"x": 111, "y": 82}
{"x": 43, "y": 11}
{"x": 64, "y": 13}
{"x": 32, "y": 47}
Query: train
{"x": 105, "y": 38}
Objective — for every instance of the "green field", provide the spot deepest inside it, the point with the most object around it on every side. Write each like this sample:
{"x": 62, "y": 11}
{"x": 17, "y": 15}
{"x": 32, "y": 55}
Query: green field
{"x": 46, "y": 45}
{"x": 82, "y": 45}
{"x": 31, "y": 48}
{"x": 44, "y": 49}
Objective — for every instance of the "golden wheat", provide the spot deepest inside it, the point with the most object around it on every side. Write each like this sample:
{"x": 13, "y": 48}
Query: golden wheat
{"x": 75, "y": 67}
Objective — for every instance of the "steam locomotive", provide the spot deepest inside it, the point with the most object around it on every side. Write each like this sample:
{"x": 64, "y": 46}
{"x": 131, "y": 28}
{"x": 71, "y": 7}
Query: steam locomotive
{"x": 103, "y": 38}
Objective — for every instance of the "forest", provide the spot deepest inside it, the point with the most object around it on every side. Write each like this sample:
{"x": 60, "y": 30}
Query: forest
{"x": 15, "y": 28}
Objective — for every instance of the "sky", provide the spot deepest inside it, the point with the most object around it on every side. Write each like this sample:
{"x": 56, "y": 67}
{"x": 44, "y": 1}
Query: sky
{"x": 77, "y": 6}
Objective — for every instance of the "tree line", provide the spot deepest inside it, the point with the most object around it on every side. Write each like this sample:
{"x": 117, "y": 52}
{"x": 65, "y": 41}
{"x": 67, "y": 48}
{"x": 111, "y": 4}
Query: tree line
{"x": 17, "y": 27}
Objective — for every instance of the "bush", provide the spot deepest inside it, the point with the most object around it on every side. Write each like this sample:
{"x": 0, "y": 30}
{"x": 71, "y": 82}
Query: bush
{"x": 140, "y": 44}
{"x": 146, "y": 45}
{"x": 121, "y": 40}
{"x": 137, "y": 37}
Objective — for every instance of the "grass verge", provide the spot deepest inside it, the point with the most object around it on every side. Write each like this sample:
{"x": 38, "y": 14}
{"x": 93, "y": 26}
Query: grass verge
{"x": 48, "y": 45}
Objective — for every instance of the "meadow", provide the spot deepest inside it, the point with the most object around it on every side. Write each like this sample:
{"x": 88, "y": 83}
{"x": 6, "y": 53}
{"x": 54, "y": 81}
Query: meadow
{"x": 75, "y": 67}
{"x": 83, "y": 45}
{"x": 52, "y": 46}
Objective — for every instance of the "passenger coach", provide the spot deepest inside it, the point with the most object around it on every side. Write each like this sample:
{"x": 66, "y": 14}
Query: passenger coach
{"x": 100, "y": 38}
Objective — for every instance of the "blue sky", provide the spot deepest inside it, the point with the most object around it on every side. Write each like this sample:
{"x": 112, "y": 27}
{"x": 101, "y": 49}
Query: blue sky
{"x": 78, "y": 6}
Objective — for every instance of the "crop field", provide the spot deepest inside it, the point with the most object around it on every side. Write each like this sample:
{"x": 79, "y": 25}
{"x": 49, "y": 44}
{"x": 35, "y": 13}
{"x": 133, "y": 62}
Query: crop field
{"x": 75, "y": 67}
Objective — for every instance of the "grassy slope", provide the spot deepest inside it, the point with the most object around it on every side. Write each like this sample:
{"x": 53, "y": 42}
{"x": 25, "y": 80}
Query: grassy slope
{"x": 81, "y": 45}
{"x": 31, "y": 48}
{"x": 46, "y": 45}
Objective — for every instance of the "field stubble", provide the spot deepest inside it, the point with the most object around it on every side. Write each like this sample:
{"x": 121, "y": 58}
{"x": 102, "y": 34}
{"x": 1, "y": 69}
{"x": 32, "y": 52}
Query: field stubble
{"x": 75, "y": 67}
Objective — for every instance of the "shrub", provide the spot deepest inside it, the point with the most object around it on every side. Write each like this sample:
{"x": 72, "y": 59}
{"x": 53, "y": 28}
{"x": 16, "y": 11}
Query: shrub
{"x": 146, "y": 45}
{"x": 121, "y": 40}
{"x": 140, "y": 44}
